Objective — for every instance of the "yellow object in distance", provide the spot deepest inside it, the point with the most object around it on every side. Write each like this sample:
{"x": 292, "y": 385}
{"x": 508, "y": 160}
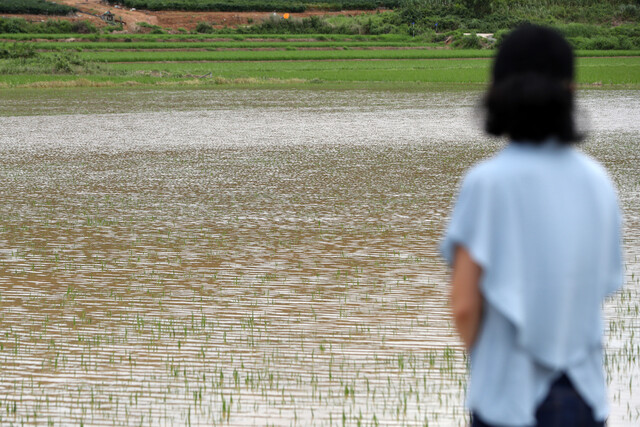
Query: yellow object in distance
{"x": 285, "y": 16}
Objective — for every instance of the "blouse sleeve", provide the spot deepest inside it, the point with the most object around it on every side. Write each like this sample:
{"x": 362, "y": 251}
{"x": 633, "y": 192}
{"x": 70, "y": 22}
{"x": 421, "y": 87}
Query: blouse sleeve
{"x": 471, "y": 222}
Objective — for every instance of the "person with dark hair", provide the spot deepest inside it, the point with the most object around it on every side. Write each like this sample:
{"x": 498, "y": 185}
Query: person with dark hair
{"x": 535, "y": 245}
{"x": 531, "y": 97}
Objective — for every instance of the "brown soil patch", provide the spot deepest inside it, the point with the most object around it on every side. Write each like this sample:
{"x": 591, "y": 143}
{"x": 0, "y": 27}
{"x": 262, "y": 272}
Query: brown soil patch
{"x": 173, "y": 20}
{"x": 189, "y": 20}
{"x": 96, "y": 7}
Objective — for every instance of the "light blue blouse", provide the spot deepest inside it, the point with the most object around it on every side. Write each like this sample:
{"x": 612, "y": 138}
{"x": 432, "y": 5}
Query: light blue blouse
{"x": 544, "y": 224}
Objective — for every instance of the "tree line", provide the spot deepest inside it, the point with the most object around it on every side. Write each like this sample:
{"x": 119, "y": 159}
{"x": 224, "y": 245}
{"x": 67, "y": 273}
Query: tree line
{"x": 35, "y": 7}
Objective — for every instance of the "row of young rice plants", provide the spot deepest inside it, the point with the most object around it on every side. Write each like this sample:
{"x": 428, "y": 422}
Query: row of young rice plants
{"x": 293, "y": 55}
{"x": 208, "y": 37}
{"x": 590, "y": 70}
{"x": 271, "y": 44}
{"x": 469, "y": 71}
{"x": 298, "y": 55}
{"x": 595, "y": 70}
{"x": 381, "y": 73}
{"x": 93, "y": 46}
{"x": 65, "y": 67}
{"x": 48, "y": 81}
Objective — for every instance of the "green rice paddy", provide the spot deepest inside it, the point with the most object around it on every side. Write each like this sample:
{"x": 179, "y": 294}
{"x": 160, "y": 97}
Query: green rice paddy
{"x": 606, "y": 71}
{"x": 275, "y": 60}
{"x": 192, "y": 59}
{"x": 206, "y": 37}
{"x": 254, "y": 257}
{"x": 216, "y": 45}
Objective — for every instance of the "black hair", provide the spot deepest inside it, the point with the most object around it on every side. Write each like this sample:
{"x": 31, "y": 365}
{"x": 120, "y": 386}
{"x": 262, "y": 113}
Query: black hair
{"x": 531, "y": 94}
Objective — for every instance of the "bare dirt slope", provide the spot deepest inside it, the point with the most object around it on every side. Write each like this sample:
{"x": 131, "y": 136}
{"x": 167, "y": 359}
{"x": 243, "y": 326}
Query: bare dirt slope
{"x": 189, "y": 20}
{"x": 95, "y": 7}
{"x": 180, "y": 19}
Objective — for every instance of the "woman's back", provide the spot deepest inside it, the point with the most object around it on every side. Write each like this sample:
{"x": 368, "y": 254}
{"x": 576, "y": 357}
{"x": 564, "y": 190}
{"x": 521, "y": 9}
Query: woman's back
{"x": 543, "y": 223}
{"x": 535, "y": 245}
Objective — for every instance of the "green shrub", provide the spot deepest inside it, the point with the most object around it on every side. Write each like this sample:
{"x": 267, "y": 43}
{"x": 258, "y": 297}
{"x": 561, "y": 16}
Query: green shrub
{"x": 603, "y": 43}
{"x": 629, "y": 12}
{"x": 578, "y": 43}
{"x": 86, "y": 27}
{"x": 580, "y": 30}
{"x": 467, "y": 42}
{"x": 154, "y": 29}
{"x": 17, "y": 50}
{"x": 625, "y": 43}
{"x": 22, "y": 58}
{"x": 112, "y": 28}
{"x": 626, "y": 30}
{"x": 495, "y": 15}
{"x": 499, "y": 36}
{"x": 13, "y": 26}
{"x": 204, "y": 28}
{"x": 50, "y": 26}
{"x": 57, "y": 26}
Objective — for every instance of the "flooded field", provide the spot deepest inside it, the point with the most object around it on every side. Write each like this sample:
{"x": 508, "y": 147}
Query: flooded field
{"x": 255, "y": 257}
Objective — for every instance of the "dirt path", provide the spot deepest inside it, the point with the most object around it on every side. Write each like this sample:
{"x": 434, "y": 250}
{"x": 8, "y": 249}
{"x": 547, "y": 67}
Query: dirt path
{"x": 180, "y": 19}
{"x": 95, "y": 7}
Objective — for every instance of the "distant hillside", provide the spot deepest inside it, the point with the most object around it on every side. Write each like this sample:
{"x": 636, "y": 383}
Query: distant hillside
{"x": 258, "y": 5}
{"x": 34, "y": 7}
{"x": 495, "y": 15}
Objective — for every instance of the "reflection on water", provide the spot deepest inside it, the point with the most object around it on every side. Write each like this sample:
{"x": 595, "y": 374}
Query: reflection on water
{"x": 253, "y": 257}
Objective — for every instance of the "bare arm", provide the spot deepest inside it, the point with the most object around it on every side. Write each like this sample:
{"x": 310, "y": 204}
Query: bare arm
{"x": 466, "y": 299}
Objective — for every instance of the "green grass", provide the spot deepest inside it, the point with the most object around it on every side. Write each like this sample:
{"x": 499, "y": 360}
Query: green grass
{"x": 178, "y": 37}
{"x": 338, "y": 44}
{"x": 607, "y": 71}
{"x": 590, "y": 70}
{"x": 301, "y": 55}
{"x": 340, "y": 61}
{"x": 463, "y": 71}
{"x": 93, "y": 46}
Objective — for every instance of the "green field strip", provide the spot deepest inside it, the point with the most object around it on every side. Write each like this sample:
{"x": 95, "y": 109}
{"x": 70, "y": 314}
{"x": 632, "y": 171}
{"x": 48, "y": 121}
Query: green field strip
{"x": 95, "y": 46}
{"x": 299, "y": 55}
{"x": 296, "y": 55}
{"x": 608, "y": 70}
{"x": 589, "y": 71}
{"x": 207, "y": 37}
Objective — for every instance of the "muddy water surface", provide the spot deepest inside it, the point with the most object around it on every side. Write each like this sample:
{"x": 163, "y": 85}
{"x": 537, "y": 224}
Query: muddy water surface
{"x": 254, "y": 257}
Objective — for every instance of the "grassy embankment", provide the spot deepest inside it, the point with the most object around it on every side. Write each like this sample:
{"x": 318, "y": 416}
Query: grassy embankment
{"x": 361, "y": 63}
